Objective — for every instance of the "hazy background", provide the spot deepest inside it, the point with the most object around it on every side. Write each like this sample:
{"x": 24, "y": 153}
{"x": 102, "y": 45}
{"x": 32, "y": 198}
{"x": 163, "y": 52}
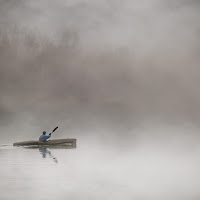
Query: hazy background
{"x": 102, "y": 69}
{"x": 122, "y": 77}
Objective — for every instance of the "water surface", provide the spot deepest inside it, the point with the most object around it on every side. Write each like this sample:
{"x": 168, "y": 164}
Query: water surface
{"x": 98, "y": 171}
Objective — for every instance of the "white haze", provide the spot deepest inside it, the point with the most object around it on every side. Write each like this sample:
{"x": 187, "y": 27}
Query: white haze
{"x": 110, "y": 65}
{"x": 120, "y": 76}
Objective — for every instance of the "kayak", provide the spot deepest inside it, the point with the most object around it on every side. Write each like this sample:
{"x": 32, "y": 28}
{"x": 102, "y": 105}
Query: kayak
{"x": 47, "y": 143}
{"x": 49, "y": 147}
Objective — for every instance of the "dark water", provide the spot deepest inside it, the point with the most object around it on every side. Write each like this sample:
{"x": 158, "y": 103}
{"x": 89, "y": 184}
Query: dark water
{"x": 97, "y": 171}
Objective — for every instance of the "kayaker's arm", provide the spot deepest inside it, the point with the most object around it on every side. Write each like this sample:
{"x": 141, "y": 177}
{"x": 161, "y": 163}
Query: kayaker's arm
{"x": 45, "y": 137}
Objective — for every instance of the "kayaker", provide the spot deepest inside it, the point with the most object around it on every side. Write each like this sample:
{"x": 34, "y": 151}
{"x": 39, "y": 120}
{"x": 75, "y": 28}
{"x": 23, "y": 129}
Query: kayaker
{"x": 44, "y": 137}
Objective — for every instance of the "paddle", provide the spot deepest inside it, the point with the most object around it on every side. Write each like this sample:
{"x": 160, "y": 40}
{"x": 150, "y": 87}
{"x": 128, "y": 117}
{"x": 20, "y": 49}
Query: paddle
{"x": 54, "y": 129}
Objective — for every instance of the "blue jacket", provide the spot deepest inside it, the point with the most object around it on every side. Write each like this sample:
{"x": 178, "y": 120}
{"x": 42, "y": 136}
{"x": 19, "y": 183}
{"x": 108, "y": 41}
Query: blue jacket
{"x": 43, "y": 138}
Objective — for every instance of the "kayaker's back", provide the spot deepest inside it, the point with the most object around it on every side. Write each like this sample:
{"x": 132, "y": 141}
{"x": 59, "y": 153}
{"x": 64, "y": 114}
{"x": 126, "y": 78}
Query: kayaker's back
{"x": 41, "y": 138}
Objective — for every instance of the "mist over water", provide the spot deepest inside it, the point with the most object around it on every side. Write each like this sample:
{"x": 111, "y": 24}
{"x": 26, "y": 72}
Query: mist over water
{"x": 95, "y": 171}
{"x": 121, "y": 77}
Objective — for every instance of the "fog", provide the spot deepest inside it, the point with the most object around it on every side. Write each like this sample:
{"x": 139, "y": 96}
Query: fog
{"x": 122, "y": 77}
{"x": 98, "y": 66}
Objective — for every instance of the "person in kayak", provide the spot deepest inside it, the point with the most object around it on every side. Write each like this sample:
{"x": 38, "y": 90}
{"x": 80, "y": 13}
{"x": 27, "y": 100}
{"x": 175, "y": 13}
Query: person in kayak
{"x": 44, "y": 137}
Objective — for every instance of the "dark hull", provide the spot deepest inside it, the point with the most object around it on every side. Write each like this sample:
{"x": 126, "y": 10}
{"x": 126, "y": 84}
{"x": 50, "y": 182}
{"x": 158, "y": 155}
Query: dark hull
{"x": 48, "y": 143}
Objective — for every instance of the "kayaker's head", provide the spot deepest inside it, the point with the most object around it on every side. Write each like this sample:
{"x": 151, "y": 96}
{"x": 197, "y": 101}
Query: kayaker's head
{"x": 44, "y": 132}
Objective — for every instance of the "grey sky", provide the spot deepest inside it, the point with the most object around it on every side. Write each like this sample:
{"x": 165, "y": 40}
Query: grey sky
{"x": 108, "y": 63}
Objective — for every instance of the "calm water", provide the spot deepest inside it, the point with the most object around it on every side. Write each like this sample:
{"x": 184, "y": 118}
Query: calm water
{"x": 93, "y": 171}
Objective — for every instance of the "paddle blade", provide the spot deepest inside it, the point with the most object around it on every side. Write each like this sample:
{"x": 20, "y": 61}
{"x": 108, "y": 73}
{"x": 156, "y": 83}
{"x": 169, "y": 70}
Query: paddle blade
{"x": 55, "y": 129}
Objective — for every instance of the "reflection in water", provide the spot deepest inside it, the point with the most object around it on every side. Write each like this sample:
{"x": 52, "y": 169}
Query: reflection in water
{"x": 45, "y": 152}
